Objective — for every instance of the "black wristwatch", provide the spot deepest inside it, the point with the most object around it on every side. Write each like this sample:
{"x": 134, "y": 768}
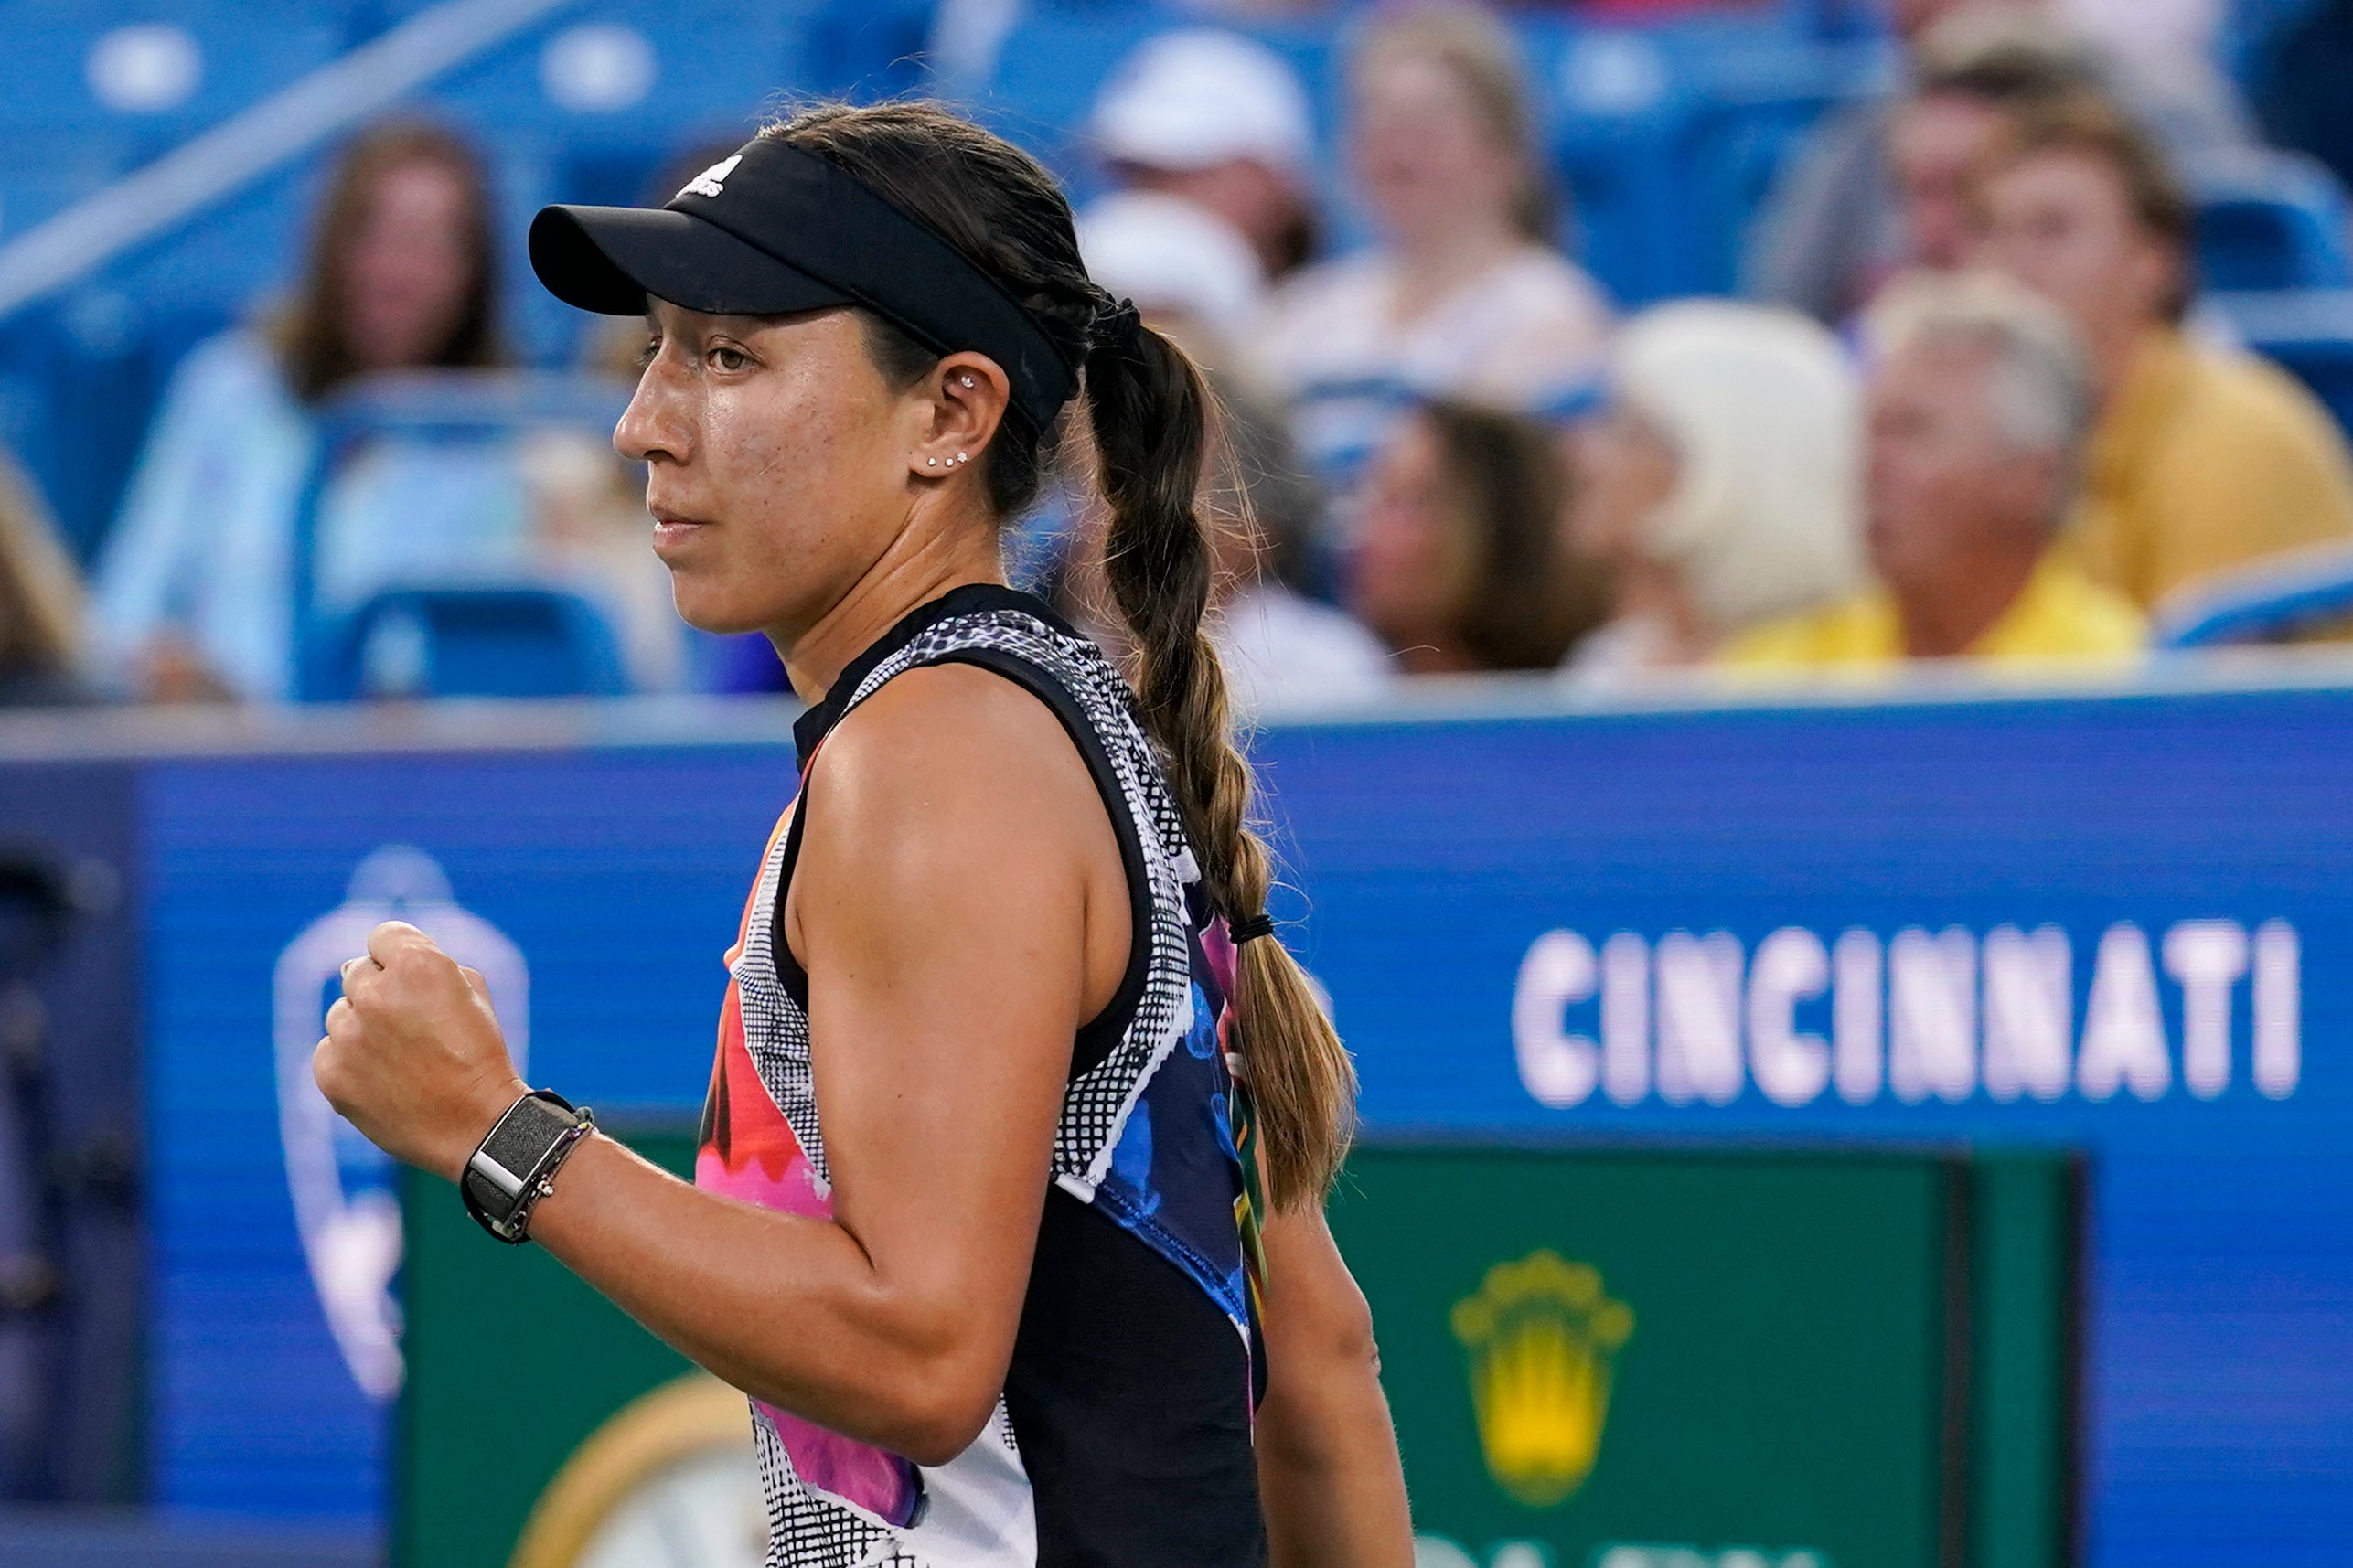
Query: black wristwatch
{"x": 515, "y": 1165}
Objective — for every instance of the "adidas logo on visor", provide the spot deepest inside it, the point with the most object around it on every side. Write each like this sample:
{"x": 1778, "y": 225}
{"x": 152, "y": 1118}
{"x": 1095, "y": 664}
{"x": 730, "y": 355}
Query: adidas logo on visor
{"x": 712, "y": 180}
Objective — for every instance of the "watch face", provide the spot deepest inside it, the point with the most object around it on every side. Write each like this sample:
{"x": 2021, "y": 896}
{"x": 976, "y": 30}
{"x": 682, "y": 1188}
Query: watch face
{"x": 702, "y": 1510}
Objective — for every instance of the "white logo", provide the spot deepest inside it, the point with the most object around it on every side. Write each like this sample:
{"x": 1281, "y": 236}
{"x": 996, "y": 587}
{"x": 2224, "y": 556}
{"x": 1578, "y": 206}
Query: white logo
{"x": 1940, "y": 1014}
{"x": 712, "y": 180}
{"x": 344, "y": 1205}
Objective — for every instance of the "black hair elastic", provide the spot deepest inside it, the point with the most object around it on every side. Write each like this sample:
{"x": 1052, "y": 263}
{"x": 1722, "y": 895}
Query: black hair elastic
{"x": 1120, "y": 326}
{"x": 1251, "y": 927}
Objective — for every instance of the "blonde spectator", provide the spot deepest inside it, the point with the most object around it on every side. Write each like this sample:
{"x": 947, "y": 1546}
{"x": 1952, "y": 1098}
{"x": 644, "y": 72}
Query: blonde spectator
{"x": 1458, "y": 562}
{"x": 2203, "y": 460}
{"x": 1720, "y": 487}
{"x": 41, "y": 601}
{"x": 1978, "y": 408}
{"x": 1464, "y": 294}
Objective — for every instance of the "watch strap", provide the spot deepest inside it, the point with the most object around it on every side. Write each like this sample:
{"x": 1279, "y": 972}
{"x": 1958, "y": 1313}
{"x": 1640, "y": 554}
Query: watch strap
{"x": 515, "y": 1165}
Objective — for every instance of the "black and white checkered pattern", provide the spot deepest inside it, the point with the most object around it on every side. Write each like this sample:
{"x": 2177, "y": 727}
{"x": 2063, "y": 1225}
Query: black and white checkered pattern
{"x": 808, "y": 1531}
{"x": 775, "y": 1028}
{"x": 805, "y": 1529}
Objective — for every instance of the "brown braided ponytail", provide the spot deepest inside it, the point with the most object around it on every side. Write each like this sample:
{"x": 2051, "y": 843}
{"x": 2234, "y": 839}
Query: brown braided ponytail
{"x": 1151, "y": 416}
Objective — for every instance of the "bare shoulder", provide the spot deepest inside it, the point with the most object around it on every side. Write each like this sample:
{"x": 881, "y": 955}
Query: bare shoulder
{"x": 940, "y": 745}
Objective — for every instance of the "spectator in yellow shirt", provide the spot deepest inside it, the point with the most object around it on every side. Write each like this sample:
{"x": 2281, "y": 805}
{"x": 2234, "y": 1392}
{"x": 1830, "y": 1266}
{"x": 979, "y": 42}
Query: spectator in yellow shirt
{"x": 2202, "y": 460}
{"x": 1977, "y": 413}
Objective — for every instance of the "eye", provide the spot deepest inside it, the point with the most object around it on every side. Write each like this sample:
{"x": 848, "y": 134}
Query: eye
{"x": 646, "y": 353}
{"x": 723, "y": 357}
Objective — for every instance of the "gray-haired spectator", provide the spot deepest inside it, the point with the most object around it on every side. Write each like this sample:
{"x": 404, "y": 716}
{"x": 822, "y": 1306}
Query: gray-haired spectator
{"x": 1221, "y": 120}
{"x": 1464, "y": 294}
{"x": 1979, "y": 408}
{"x": 1720, "y": 486}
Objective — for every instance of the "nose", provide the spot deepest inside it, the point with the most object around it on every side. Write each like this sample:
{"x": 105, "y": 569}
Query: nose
{"x": 654, "y": 428}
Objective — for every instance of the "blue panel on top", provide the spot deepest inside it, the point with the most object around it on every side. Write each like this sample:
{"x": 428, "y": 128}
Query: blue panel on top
{"x": 1504, "y": 910}
{"x": 2116, "y": 924}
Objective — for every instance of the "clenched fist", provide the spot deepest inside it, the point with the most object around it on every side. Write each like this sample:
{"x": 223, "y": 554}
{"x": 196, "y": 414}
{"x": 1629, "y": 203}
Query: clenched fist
{"x": 412, "y": 1055}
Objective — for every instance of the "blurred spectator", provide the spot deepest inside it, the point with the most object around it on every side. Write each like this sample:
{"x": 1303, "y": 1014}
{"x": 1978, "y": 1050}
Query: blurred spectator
{"x": 2303, "y": 86}
{"x": 1191, "y": 277}
{"x": 1218, "y": 120}
{"x": 193, "y": 593}
{"x": 1459, "y": 561}
{"x": 1279, "y": 646}
{"x": 40, "y": 601}
{"x": 1978, "y": 410}
{"x": 1832, "y": 229}
{"x": 1719, "y": 487}
{"x": 1464, "y": 294}
{"x": 591, "y": 534}
{"x": 2203, "y": 460}
{"x": 1971, "y": 80}
{"x": 1189, "y": 271}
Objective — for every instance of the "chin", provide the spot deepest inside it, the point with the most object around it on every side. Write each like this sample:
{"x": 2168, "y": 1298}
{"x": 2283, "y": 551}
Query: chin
{"x": 711, "y": 613}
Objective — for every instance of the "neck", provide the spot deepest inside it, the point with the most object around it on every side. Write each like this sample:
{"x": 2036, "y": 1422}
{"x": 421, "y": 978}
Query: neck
{"x": 2113, "y": 354}
{"x": 1431, "y": 265}
{"x": 1654, "y": 591}
{"x": 1945, "y": 618}
{"x": 926, "y": 559}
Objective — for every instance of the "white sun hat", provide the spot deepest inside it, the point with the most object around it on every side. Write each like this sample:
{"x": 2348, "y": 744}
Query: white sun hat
{"x": 1199, "y": 97}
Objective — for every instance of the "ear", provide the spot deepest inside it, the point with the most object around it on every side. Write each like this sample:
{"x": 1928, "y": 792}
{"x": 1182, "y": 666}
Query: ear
{"x": 966, "y": 394}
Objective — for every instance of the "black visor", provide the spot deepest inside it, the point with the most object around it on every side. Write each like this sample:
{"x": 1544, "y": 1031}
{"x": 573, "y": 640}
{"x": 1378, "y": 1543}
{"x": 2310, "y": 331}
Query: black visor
{"x": 775, "y": 230}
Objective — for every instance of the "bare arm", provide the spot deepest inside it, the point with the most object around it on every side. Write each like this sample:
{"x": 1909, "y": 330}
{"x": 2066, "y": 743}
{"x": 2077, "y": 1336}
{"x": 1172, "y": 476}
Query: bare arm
{"x": 1328, "y": 1471}
{"x": 945, "y": 903}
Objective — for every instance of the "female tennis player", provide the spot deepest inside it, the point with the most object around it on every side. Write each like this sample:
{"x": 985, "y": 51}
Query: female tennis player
{"x": 1009, "y": 1047}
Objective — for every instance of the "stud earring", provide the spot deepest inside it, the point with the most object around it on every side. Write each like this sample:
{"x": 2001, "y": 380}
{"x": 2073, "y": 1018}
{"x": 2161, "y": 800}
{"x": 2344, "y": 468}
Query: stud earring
{"x": 966, "y": 380}
{"x": 931, "y": 462}
{"x": 961, "y": 458}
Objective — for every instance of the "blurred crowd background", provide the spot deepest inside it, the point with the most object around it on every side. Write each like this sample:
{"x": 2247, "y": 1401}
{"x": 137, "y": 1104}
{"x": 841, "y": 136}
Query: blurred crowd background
{"x": 1615, "y": 339}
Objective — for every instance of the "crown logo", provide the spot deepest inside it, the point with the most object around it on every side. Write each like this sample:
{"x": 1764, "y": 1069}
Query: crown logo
{"x": 1542, "y": 1336}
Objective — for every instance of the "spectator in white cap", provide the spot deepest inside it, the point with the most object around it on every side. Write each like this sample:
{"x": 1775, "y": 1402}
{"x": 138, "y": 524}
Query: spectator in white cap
{"x": 1464, "y": 294}
{"x": 1220, "y": 120}
{"x": 1191, "y": 273}
{"x": 1720, "y": 487}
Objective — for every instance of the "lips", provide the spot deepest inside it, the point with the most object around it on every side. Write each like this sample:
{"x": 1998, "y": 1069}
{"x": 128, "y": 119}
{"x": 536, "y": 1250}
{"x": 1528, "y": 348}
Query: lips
{"x": 670, "y": 530}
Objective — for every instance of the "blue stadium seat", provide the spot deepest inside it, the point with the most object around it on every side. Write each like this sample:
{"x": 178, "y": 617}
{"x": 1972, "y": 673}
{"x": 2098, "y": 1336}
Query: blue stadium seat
{"x": 2310, "y": 332}
{"x": 2271, "y": 220}
{"x": 153, "y": 72}
{"x": 592, "y": 103}
{"x": 2270, "y": 602}
{"x": 471, "y": 642}
{"x": 1669, "y": 137}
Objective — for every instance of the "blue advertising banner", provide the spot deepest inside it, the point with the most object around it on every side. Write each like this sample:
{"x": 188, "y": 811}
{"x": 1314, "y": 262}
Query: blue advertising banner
{"x": 2118, "y": 924}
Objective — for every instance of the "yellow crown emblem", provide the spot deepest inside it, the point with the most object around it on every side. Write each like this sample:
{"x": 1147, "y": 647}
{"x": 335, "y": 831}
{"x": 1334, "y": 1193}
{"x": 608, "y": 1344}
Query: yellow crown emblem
{"x": 1542, "y": 1336}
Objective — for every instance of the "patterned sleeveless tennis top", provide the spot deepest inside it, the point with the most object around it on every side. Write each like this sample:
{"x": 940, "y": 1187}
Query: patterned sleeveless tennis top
{"x": 1122, "y": 1436}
